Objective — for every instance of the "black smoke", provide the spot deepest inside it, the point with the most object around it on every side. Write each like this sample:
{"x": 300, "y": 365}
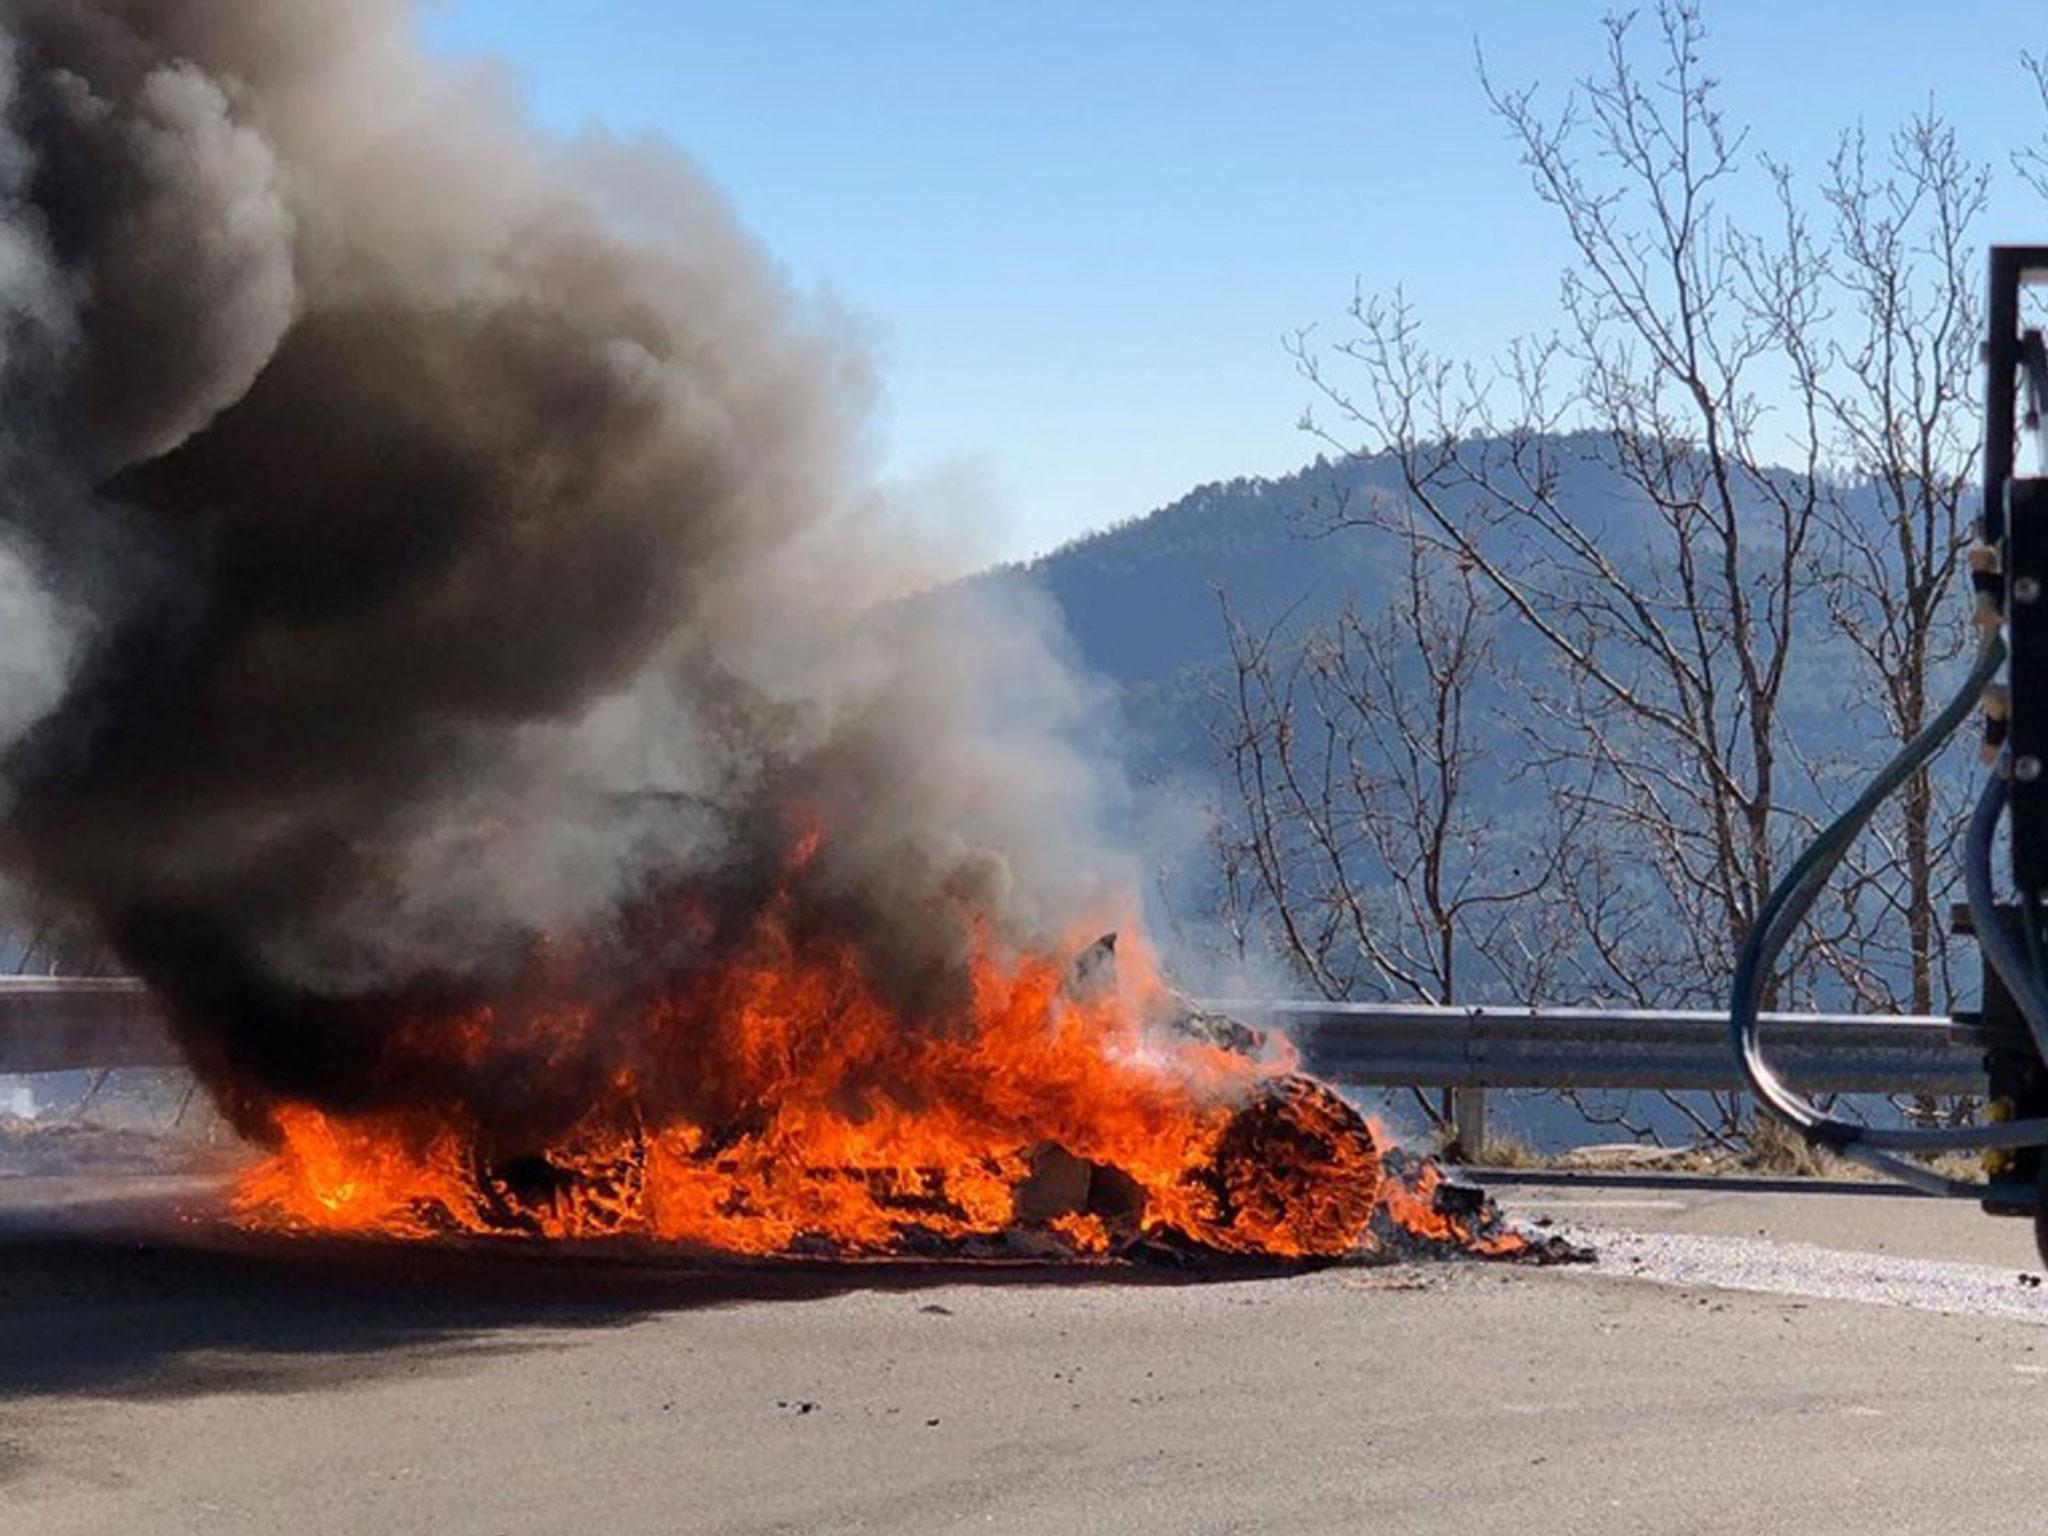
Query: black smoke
{"x": 418, "y": 536}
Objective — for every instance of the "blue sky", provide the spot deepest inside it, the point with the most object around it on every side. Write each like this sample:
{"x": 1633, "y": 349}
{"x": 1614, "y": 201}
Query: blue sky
{"x": 1078, "y": 231}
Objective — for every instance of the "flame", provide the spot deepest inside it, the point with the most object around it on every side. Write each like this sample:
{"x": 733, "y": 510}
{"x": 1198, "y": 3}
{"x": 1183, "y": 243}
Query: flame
{"x": 1411, "y": 1205}
{"x": 774, "y": 1104}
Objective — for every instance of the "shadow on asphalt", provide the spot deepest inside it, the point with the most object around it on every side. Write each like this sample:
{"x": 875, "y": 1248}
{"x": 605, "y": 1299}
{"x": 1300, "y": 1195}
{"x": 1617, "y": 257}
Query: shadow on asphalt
{"x": 141, "y": 1314}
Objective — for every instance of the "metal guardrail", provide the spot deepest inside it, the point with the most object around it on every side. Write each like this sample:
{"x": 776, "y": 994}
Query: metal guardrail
{"x": 59, "y": 1023}
{"x": 67, "y": 1023}
{"x": 1477, "y": 1048}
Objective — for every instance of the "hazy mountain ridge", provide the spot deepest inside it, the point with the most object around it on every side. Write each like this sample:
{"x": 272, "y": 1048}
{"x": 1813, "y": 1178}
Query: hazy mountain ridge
{"x": 1140, "y": 599}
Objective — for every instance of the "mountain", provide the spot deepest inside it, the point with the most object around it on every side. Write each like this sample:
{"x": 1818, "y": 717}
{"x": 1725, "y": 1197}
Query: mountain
{"x": 1141, "y": 599}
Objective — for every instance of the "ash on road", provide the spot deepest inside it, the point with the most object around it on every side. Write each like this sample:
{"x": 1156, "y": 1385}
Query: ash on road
{"x": 175, "y": 1385}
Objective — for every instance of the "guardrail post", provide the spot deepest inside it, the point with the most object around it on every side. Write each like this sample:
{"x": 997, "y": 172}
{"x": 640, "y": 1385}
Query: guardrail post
{"x": 1468, "y": 1122}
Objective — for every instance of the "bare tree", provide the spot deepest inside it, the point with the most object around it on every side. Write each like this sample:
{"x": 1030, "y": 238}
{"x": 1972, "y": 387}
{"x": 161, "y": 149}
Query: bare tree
{"x": 1728, "y": 496}
{"x": 1353, "y": 752}
{"x": 1741, "y": 441}
{"x": 2030, "y": 161}
{"x": 1896, "y": 394}
{"x": 1672, "y": 628}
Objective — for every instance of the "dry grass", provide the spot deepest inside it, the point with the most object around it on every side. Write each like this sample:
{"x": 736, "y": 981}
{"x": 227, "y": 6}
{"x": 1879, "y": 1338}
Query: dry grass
{"x": 1771, "y": 1150}
{"x": 1509, "y": 1152}
{"x": 1774, "y": 1148}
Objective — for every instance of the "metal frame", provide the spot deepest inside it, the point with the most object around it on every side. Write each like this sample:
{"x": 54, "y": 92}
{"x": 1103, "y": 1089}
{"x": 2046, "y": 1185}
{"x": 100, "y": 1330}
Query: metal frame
{"x": 2015, "y": 521}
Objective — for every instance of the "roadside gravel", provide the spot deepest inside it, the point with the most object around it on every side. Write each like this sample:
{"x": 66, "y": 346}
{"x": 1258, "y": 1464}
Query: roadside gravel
{"x": 1777, "y": 1267}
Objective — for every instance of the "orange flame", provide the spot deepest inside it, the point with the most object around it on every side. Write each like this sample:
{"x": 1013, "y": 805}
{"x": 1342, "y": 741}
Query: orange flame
{"x": 781, "y": 1107}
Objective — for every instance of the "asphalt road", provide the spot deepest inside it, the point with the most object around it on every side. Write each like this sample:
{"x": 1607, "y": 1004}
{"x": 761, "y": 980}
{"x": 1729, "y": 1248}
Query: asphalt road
{"x": 180, "y": 1382}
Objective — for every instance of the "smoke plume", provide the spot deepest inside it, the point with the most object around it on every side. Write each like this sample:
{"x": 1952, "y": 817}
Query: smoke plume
{"x": 419, "y": 536}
